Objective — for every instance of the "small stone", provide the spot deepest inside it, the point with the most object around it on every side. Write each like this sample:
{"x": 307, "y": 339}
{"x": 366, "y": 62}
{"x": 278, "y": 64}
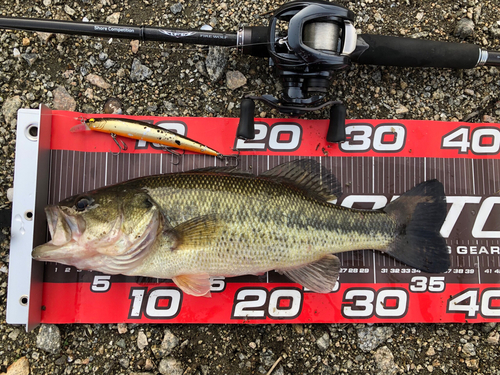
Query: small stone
{"x": 114, "y": 18}
{"x": 124, "y": 362}
{"x": 97, "y": 81}
{"x": 489, "y": 119}
{"x": 109, "y": 63}
{"x": 114, "y": 106}
{"x": 139, "y": 72}
{"x": 49, "y": 338}
{"x": 370, "y": 338}
{"x": 13, "y": 335}
{"x": 176, "y": 8}
{"x": 47, "y": 3}
{"x": 44, "y": 37}
{"x": 323, "y": 342}
{"x": 169, "y": 342}
{"x": 68, "y": 74}
{"x": 493, "y": 338}
{"x": 488, "y": 327}
{"x": 135, "y": 46}
{"x": 10, "y": 108}
{"x": 377, "y": 76}
{"x": 19, "y": 367}
{"x": 89, "y": 93}
{"x": 26, "y": 42}
{"x": 469, "y": 350}
{"x": 170, "y": 366}
{"x": 142, "y": 340}
{"x": 235, "y": 79}
{"x": 252, "y": 345}
{"x": 401, "y": 109}
{"x": 216, "y": 62}
{"x": 430, "y": 351}
{"x": 495, "y": 31}
{"x": 149, "y": 364}
{"x": 61, "y": 360}
{"x": 122, "y": 327}
{"x": 63, "y": 100}
{"x": 30, "y": 58}
{"x": 200, "y": 66}
{"x": 16, "y": 53}
{"x": 121, "y": 343}
{"x": 103, "y": 55}
{"x": 464, "y": 28}
{"x": 69, "y": 11}
{"x": 472, "y": 363}
{"x": 267, "y": 358}
{"x": 385, "y": 361}
{"x": 299, "y": 328}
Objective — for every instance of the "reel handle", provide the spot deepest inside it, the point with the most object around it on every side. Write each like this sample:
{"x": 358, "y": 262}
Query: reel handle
{"x": 336, "y": 128}
{"x": 246, "y": 126}
{"x": 409, "y": 52}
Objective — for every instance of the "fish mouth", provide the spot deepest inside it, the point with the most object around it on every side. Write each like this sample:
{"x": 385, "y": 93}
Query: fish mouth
{"x": 65, "y": 229}
{"x": 53, "y": 253}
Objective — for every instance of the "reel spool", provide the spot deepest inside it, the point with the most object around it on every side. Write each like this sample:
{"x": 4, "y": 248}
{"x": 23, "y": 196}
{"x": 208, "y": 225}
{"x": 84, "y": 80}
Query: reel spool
{"x": 316, "y": 40}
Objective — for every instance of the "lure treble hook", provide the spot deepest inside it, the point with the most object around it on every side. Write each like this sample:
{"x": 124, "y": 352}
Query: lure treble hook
{"x": 175, "y": 154}
{"x": 121, "y": 147}
{"x": 227, "y": 160}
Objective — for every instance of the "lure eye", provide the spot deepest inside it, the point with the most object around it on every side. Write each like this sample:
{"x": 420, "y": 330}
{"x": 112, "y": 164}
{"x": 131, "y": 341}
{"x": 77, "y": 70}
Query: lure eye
{"x": 82, "y": 203}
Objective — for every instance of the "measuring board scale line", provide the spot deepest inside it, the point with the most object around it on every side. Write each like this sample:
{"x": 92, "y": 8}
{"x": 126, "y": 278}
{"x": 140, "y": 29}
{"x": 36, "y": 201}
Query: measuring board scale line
{"x": 425, "y": 300}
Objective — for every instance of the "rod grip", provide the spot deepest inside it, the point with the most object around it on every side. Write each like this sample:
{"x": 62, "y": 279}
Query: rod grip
{"x": 246, "y": 126}
{"x": 409, "y": 52}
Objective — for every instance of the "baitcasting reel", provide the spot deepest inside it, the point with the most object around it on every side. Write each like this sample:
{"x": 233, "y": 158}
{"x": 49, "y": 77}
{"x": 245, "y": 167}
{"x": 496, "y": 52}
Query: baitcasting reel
{"x": 308, "y": 41}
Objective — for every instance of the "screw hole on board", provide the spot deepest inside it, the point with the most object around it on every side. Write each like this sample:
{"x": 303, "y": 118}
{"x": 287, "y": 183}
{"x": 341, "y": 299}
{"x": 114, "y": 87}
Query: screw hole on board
{"x": 23, "y": 300}
{"x": 32, "y": 132}
{"x": 28, "y": 215}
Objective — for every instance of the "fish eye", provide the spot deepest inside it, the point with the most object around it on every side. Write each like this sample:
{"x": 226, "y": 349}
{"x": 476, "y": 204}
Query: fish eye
{"x": 82, "y": 203}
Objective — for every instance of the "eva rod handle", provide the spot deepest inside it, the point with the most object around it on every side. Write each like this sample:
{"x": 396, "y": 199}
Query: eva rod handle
{"x": 336, "y": 129}
{"x": 409, "y": 52}
{"x": 246, "y": 127}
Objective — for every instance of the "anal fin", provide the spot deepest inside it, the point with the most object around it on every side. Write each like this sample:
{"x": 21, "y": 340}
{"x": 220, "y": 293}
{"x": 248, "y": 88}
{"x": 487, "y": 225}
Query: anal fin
{"x": 319, "y": 276}
{"x": 195, "y": 285}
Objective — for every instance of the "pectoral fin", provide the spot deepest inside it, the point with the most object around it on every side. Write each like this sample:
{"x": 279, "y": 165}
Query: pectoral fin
{"x": 197, "y": 232}
{"x": 320, "y": 276}
{"x": 195, "y": 285}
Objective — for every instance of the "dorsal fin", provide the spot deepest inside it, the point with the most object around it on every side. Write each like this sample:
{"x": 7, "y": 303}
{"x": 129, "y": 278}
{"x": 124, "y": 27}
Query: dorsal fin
{"x": 308, "y": 175}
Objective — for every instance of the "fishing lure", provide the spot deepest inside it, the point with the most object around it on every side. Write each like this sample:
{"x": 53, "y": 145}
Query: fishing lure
{"x": 144, "y": 131}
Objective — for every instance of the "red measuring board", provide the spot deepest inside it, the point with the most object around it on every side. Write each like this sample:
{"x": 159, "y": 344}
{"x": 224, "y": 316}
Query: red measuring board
{"x": 380, "y": 160}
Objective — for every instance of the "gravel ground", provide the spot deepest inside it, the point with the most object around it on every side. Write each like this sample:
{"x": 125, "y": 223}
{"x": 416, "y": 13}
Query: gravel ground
{"x": 80, "y": 73}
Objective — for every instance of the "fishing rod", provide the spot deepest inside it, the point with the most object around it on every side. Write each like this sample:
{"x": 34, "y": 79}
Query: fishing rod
{"x": 306, "y": 41}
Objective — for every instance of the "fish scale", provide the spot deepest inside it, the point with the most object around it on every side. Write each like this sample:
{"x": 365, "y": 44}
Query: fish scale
{"x": 265, "y": 225}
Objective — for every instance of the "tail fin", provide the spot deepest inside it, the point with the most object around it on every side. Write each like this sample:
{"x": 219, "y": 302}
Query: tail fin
{"x": 420, "y": 213}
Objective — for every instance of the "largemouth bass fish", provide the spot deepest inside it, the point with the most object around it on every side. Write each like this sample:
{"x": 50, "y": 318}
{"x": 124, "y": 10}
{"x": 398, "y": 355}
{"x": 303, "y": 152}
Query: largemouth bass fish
{"x": 219, "y": 222}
